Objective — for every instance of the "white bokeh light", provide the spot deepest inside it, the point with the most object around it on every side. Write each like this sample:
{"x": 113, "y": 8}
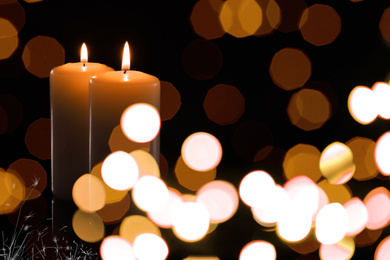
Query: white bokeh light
{"x": 150, "y": 193}
{"x": 141, "y": 122}
{"x": 120, "y": 171}
{"x": 362, "y": 105}
{"x": 382, "y": 95}
{"x": 116, "y": 248}
{"x": 381, "y": 153}
{"x": 149, "y": 246}
{"x": 258, "y": 250}
{"x": 201, "y": 151}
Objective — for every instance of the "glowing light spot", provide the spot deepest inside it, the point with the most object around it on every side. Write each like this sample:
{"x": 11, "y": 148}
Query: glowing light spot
{"x": 336, "y": 193}
{"x": 149, "y": 246}
{"x": 220, "y": 199}
{"x": 295, "y": 222}
{"x": 290, "y": 68}
{"x": 381, "y": 152}
{"x": 382, "y": 252}
{"x": 119, "y": 142}
{"x": 150, "y": 193}
{"x": 190, "y": 178}
{"x": 170, "y": 100}
{"x": 342, "y": 250}
{"x": 204, "y": 19}
{"x": 336, "y": 163}
{"x": 302, "y": 159}
{"x": 258, "y": 248}
{"x": 320, "y": 24}
{"x": 377, "y": 203}
{"x": 201, "y": 151}
{"x": 268, "y": 216}
{"x": 367, "y": 237}
{"x": 88, "y": 226}
{"x": 362, "y": 105}
{"x": 114, "y": 212}
{"x": 384, "y": 24}
{"x": 3, "y": 186}
{"x": 147, "y": 165}
{"x": 16, "y": 192}
{"x": 88, "y": 193}
{"x": 9, "y": 40}
{"x": 271, "y": 17}
{"x": 191, "y": 220}
{"x": 37, "y": 138}
{"x": 135, "y": 225}
{"x": 116, "y": 248}
{"x": 14, "y": 12}
{"x": 382, "y": 96}
{"x": 331, "y": 223}
{"x": 363, "y": 157}
{"x": 357, "y": 216}
{"x": 306, "y": 246}
{"x": 256, "y": 188}
{"x": 291, "y": 12}
{"x": 141, "y": 122}
{"x": 120, "y": 171}
{"x": 162, "y": 217}
{"x": 309, "y": 109}
{"x": 224, "y": 104}
{"x": 41, "y": 54}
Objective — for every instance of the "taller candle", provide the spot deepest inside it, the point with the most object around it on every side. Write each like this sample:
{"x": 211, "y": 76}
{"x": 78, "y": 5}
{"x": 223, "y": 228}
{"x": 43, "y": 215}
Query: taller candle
{"x": 69, "y": 104}
{"x": 110, "y": 94}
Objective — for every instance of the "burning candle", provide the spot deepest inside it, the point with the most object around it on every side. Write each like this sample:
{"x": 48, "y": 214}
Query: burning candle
{"x": 111, "y": 93}
{"x": 69, "y": 103}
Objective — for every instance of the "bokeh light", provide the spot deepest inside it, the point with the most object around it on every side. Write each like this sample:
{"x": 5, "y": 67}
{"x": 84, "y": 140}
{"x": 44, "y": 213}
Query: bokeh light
{"x": 256, "y": 188}
{"x": 38, "y": 140}
{"x": 135, "y": 225}
{"x": 362, "y": 105}
{"x": 116, "y": 248}
{"x": 14, "y": 12}
{"x": 88, "y": 226}
{"x": 336, "y": 163}
{"x": 331, "y": 224}
{"x": 309, "y": 109}
{"x": 336, "y": 193}
{"x": 191, "y": 179}
{"x": 114, "y": 212}
{"x": 201, "y": 151}
{"x": 120, "y": 171}
{"x": 9, "y": 39}
{"x": 320, "y": 24}
{"x": 382, "y": 252}
{"x": 147, "y": 165}
{"x": 141, "y": 122}
{"x": 357, "y": 216}
{"x": 271, "y": 17}
{"x": 170, "y": 100}
{"x": 368, "y": 237}
{"x": 119, "y": 142}
{"x": 363, "y": 157}
{"x": 224, "y": 104}
{"x": 381, "y": 152}
{"x": 257, "y": 249}
{"x": 382, "y": 95}
{"x": 377, "y": 203}
{"x": 150, "y": 246}
{"x": 302, "y": 159}
{"x": 88, "y": 193}
{"x": 306, "y": 246}
{"x": 291, "y": 12}
{"x": 205, "y": 19}
{"x": 191, "y": 220}
{"x": 384, "y": 24}
{"x": 220, "y": 199}
{"x": 342, "y": 250}
{"x": 290, "y": 68}
{"x": 241, "y": 18}
{"x": 14, "y": 192}
{"x": 41, "y": 54}
{"x": 150, "y": 193}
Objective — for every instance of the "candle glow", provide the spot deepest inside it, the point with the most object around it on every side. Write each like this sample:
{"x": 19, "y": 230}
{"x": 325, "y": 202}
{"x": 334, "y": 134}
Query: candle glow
{"x": 84, "y": 54}
{"x": 126, "y": 57}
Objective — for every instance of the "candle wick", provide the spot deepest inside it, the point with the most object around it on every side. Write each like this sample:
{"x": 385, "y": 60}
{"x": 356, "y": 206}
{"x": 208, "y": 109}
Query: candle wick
{"x": 83, "y": 64}
{"x": 124, "y": 72}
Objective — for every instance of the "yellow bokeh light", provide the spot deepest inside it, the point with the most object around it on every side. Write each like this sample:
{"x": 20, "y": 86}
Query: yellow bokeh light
{"x": 331, "y": 224}
{"x": 141, "y": 122}
{"x": 204, "y": 19}
{"x": 258, "y": 248}
{"x": 9, "y": 39}
{"x": 88, "y": 193}
{"x": 336, "y": 193}
{"x": 381, "y": 152}
{"x": 357, "y": 216}
{"x": 114, "y": 212}
{"x": 150, "y": 193}
{"x": 256, "y": 188}
{"x": 201, "y": 151}
{"x": 150, "y": 246}
{"x": 220, "y": 199}
{"x": 362, "y": 105}
{"x": 336, "y": 163}
{"x": 116, "y": 248}
{"x": 344, "y": 249}
{"x": 377, "y": 203}
{"x": 88, "y": 226}
{"x": 14, "y": 194}
{"x": 191, "y": 220}
{"x": 147, "y": 165}
{"x": 135, "y": 225}
{"x": 120, "y": 171}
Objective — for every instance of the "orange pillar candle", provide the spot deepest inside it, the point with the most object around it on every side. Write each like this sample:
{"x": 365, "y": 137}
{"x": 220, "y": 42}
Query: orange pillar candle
{"x": 110, "y": 94}
{"x": 69, "y": 104}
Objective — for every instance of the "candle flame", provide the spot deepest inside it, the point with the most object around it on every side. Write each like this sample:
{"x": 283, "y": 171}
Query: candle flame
{"x": 126, "y": 57}
{"x": 84, "y": 54}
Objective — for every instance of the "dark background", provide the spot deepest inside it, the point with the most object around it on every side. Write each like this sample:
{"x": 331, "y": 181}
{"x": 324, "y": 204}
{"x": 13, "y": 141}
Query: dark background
{"x": 159, "y": 33}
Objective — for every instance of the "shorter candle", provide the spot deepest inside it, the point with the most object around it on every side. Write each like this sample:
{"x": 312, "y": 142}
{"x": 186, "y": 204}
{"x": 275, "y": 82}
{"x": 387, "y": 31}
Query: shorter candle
{"x": 69, "y": 104}
{"x": 111, "y": 93}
